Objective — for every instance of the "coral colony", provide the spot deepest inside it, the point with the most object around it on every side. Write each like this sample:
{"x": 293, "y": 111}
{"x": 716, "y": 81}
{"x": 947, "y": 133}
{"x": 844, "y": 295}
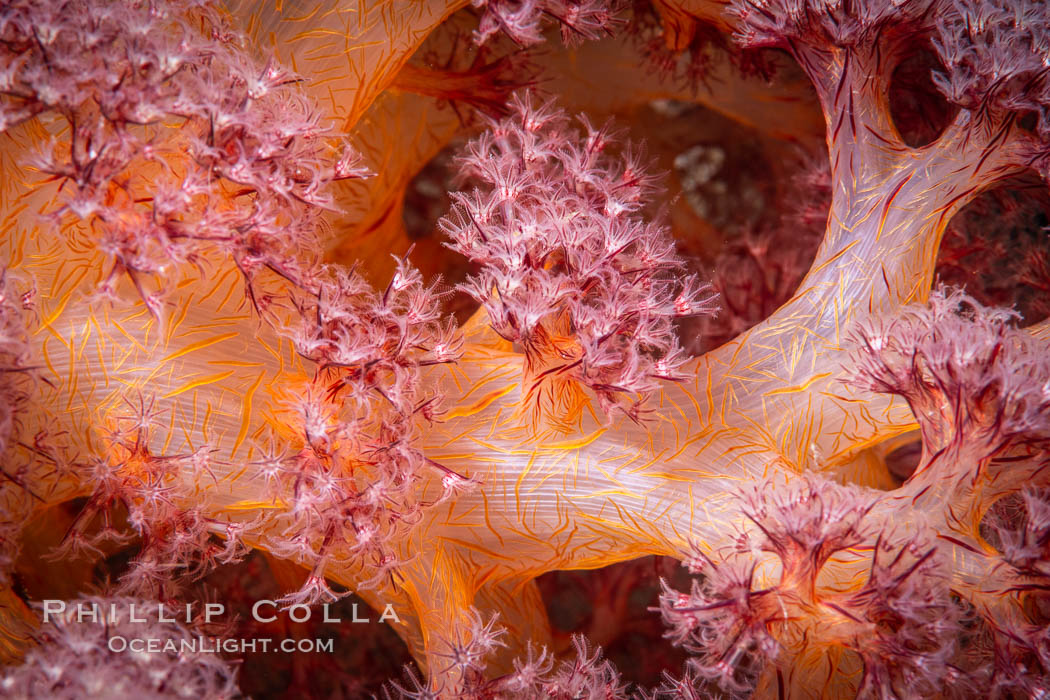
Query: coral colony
{"x": 307, "y": 300}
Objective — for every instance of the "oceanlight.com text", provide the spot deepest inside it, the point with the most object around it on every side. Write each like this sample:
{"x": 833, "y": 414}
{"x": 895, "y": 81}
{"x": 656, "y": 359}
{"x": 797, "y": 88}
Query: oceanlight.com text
{"x": 216, "y": 645}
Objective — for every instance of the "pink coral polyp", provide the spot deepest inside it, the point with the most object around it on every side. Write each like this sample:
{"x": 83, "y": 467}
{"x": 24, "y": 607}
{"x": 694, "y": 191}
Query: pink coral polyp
{"x": 192, "y": 369}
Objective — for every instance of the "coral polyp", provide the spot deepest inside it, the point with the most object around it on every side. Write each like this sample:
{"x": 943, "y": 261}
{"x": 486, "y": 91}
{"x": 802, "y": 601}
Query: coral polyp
{"x": 224, "y": 341}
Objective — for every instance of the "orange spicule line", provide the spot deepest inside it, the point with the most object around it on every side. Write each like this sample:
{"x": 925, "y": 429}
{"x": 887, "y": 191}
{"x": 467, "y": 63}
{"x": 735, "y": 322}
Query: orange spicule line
{"x": 46, "y": 259}
{"x": 827, "y": 263}
{"x": 100, "y": 348}
{"x": 498, "y": 371}
{"x": 111, "y": 322}
{"x": 488, "y": 446}
{"x": 456, "y": 519}
{"x": 71, "y": 346}
{"x": 738, "y": 346}
{"x": 561, "y": 508}
{"x": 215, "y": 286}
{"x": 541, "y": 482}
{"x": 752, "y": 366}
{"x": 683, "y": 542}
{"x": 78, "y": 392}
{"x": 156, "y": 371}
{"x": 336, "y": 73}
{"x": 591, "y": 461}
{"x": 782, "y": 323}
{"x": 14, "y": 213}
{"x": 92, "y": 379}
{"x": 184, "y": 283}
{"x": 560, "y": 547}
{"x": 85, "y": 337}
{"x": 747, "y": 450}
{"x": 207, "y": 419}
{"x": 114, "y": 395}
{"x": 218, "y": 284}
{"x": 629, "y": 459}
{"x": 842, "y": 399}
{"x": 521, "y": 478}
{"x": 118, "y": 364}
{"x": 645, "y": 466}
{"x": 603, "y": 552}
{"x": 276, "y": 504}
{"x": 488, "y": 517}
{"x": 481, "y": 404}
{"x": 198, "y": 382}
{"x": 194, "y": 422}
{"x": 656, "y": 534}
{"x": 813, "y": 427}
{"x": 608, "y": 460}
{"x": 171, "y": 432}
{"x": 606, "y": 474}
{"x": 276, "y": 354}
{"x": 686, "y": 423}
{"x": 728, "y": 397}
{"x": 184, "y": 424}
{"x": 810, "y": 331}
{"x": 794, "y": 355}
{"x": 692, "y": 440}
{"x": 768, "y": 440}
{"x": 575, "y": 471}
{"x": 485, "y": 574}
{"x": 470, "y": 546}
{"x": 766, "y": 424}
{"x": 47, "y": 322}
{"x": 679, "y": 475}
{"x": 838, "y": 303}
{"x": 141, "y": 312}
{"x": 668, "y": 505}
{"x": 236, "y": 363}
{"x": 865, "y": 414}
{"x": 455, "y": 374}
{"x": 591, "y": 544}
{"x": 889, "y": 204}
{"x": 72, "y": 383}
{"x": 313, "y": 12}
{"x": 715, "y": 435}
{"x": 234, "y": 477}
{"x": 853, "y": 448}
{"x": 784, "y": 423}
{"x": 246, "y": 413}
{"x": 608, "y": 502}
{"x": 692, "y": 399}
{"x": 530, "y": 532}
{"x": 794, "y": 444}
{"x": 74, "y": 279}
{"x": 651, "y": 446}
{"x": 709, "y": 393}
{"x": 175, "y": 322}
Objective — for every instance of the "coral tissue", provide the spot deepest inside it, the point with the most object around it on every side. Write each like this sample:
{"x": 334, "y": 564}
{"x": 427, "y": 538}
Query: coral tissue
{"x": 224, "y": 340}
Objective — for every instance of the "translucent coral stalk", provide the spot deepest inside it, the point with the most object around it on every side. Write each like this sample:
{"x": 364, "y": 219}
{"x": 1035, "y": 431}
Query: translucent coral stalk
{"x": 239, "y": 388}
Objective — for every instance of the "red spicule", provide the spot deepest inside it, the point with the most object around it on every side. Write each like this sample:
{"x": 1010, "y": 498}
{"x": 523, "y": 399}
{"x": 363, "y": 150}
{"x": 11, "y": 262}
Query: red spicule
{"x": 194, "y": 367}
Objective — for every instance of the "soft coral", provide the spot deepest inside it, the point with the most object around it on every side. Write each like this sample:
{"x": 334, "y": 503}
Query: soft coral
{"x": 569, "y": 270}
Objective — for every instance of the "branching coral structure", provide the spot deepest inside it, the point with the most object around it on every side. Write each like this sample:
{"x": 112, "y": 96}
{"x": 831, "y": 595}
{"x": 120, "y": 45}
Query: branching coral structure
{"x": 190, "y": 364}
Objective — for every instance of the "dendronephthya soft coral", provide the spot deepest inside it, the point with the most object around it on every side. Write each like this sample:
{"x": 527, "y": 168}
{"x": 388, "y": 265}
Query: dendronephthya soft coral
{"x": 185, "y": 356}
